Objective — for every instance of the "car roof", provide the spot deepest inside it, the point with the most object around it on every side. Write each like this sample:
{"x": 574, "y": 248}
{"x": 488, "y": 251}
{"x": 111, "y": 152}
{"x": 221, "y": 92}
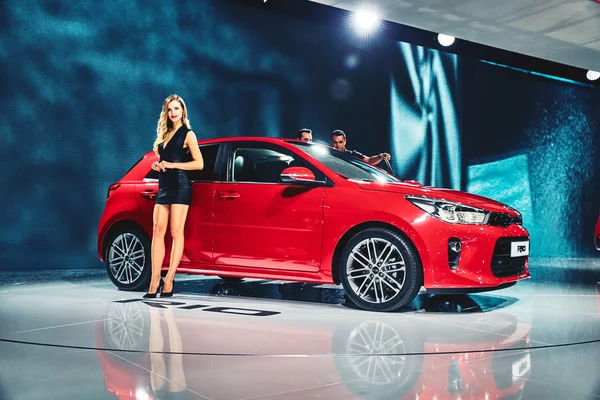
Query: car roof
{"x": 247, "y": 138}
{"x": 257, "y": 139}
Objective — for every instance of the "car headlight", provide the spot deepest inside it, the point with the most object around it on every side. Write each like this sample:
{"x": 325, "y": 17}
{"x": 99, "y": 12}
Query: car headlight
{"x": 448, "y": 211}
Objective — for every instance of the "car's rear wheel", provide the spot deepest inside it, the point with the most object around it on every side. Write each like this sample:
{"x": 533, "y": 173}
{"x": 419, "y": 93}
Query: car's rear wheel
{"x": 127, "y": 259}
{"x": 380, "y": 270}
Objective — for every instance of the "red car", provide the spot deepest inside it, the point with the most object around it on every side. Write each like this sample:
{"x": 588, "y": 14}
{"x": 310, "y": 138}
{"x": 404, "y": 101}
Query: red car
{"x": 287, "y": 210}
{"x": 597, "y": 236}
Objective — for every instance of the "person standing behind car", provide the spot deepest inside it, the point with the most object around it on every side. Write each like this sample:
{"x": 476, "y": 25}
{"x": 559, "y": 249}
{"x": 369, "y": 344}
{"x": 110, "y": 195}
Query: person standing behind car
{"x": 304, "y": 134}
{"x": 338, "y": 142}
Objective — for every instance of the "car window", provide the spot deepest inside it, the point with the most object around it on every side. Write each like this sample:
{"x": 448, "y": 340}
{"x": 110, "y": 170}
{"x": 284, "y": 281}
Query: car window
{"x": 344, "y": 163}
{"x": 152, "y": 174}
{"x": 209, "y": 155}
{"x": 264, "y": 163}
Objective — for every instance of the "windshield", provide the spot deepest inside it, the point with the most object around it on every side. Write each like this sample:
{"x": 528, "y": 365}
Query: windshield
{"x": 345, "y": 164}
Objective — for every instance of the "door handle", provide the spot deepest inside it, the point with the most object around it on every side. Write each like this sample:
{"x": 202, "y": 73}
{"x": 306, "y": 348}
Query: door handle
{"x": 229, "y": 195}
{"x": 148, "y": 194}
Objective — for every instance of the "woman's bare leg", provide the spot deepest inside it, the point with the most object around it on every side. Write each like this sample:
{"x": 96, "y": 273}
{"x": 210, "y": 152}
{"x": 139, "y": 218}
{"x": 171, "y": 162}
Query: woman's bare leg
{"x": 178, "y": 216}
{"x": 159, "y": 229}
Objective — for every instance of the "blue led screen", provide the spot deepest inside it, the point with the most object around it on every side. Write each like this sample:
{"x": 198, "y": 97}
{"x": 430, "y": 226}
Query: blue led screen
{"x": 83, "y": 83}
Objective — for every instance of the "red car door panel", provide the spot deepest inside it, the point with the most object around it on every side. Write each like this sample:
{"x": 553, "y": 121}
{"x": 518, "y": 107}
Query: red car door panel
{"x": 279, "y": 223}
{"x": 199, "y": 227}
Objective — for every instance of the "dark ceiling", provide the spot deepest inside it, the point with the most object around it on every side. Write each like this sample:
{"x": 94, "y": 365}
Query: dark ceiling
{"x": 562, "y": 31}
{"x": 560, "y": 38}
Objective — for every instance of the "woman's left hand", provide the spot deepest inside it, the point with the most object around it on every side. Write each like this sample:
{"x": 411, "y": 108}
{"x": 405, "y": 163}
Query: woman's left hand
{"x": 163, "y": 165}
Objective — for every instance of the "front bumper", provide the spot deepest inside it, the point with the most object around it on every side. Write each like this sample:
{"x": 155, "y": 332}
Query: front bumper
{"x": 485, "y": 261}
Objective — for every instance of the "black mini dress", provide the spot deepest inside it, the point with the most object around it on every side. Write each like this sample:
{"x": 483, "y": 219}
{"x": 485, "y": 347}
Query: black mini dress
{"x": 174, "y": 185}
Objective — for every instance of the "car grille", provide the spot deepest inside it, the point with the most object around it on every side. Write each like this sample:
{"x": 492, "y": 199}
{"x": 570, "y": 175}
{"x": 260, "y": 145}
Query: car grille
{"x": 503, "y": 264}
{"x": 504, "y": 220}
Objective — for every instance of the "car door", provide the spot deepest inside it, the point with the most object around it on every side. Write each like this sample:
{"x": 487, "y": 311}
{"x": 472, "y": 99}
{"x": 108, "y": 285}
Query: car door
{"x": 199, "y": 226}
{"x": 261, "y": 222}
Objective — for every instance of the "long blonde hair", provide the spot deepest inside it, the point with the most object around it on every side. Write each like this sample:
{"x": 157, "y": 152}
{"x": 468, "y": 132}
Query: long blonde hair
{"x": 165, "y": 125}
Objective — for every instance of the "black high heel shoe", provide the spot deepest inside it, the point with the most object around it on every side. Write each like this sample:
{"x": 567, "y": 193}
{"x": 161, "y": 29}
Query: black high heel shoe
{"x": 153, "y": 295}
{"x": 168, "y": 294}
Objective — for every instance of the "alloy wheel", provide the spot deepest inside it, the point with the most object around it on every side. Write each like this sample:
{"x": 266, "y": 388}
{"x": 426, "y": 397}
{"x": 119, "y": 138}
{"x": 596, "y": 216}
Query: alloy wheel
{"x": 126, "y": 258}
{"x": 376, "y": 270}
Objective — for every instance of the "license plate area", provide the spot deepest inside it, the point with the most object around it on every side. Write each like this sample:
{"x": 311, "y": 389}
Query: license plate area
{"x": 519, "y": 249}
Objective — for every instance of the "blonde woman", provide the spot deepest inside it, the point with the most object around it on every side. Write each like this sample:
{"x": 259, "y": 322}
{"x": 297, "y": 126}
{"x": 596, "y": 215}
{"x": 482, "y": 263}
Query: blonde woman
{"x": 177, "y": 147}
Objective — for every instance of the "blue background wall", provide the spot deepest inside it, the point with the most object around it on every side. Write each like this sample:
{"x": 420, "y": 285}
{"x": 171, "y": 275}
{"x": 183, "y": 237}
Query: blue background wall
{"x": 82, "y": 84}
{"x": 534, "y": 143}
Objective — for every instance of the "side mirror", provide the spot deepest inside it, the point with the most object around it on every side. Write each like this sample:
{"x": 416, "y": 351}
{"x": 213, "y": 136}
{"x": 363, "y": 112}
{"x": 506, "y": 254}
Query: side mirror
{"x": 298, "y": 175}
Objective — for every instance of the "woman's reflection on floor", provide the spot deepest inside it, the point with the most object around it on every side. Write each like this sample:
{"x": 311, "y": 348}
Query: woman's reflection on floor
{"x": 168, "y": 376}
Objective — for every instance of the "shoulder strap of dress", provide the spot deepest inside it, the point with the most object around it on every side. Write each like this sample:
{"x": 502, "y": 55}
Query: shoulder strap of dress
{"x": 184, "y": 130}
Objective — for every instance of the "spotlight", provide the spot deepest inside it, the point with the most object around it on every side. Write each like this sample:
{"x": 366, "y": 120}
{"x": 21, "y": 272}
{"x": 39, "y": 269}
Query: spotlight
{"x": 445, "y": 40}
{"x": 365, "y": 20}
{"x": 592, "y": 75}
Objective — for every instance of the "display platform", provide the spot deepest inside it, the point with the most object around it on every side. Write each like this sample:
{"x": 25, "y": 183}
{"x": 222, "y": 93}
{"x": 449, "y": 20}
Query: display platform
{"x": 66, "y": 334}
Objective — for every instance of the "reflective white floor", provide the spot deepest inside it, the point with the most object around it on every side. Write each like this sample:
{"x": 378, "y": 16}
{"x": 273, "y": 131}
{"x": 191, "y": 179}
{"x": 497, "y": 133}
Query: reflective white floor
{"x": 73, "y": 335}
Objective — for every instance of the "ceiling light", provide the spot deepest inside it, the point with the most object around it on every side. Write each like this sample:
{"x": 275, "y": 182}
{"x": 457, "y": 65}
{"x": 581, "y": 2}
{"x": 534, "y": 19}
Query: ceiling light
{"x": 592, "y": 75}
{"x": 445, "y": 40}
{"x": 365, "y": 21}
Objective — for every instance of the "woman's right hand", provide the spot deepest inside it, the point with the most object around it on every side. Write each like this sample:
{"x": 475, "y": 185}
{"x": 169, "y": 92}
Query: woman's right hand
{"x": 155, "y": 166}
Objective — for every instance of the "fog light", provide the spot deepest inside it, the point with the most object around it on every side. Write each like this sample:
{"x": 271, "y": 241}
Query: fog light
{"x": 454, "y": 245}
{"x": 454, "y": 248}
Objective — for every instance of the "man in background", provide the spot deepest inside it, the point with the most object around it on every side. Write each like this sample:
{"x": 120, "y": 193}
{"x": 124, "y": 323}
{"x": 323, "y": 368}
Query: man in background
{"x": 304, "y": 134}
{"x": 338, "y": 142}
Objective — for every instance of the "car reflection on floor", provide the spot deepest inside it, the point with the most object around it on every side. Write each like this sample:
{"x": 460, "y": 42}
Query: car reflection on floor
{"x": 331, "y": 294}
{"x": 167, "y": 354}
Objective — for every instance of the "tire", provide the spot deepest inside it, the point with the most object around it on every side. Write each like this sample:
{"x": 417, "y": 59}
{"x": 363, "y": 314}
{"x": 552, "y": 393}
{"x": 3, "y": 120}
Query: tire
{"x": 132, "y": 273}
{"x": 371, "y": 270}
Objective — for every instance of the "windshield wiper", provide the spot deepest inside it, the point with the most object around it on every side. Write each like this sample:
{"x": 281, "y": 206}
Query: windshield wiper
{"x": 357, "y": 179}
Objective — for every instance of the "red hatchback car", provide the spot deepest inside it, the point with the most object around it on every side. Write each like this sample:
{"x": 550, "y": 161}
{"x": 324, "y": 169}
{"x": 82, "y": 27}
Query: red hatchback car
{"x": 288, "y": 210}
{"x": 597, "y": 235}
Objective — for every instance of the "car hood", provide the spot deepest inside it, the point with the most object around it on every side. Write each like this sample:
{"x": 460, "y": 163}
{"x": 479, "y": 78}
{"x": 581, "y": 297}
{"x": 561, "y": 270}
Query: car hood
{"x": 416, "y": 189}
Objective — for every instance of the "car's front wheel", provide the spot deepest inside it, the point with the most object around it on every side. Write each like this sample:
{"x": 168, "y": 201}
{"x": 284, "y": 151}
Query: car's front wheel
{"x": 127, "y": 259}
{"x": 380, "y": 270}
